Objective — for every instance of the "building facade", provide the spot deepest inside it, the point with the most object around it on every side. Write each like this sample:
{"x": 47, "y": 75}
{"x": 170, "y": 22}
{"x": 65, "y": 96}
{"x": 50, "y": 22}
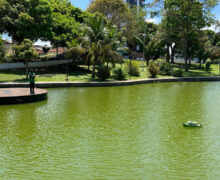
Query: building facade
{"x": 136, "y": 2}
{"x": 132, "y": 2}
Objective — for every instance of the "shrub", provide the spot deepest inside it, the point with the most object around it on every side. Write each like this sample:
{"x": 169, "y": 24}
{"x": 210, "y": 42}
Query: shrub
{"x": 2, "y": 50}
{"x": 9, "y": 57}
{"x": 119, "y": 74}
{"x": 132, "y": 68}
{"x": 168, "y": 69}
{"x": 161, "y": 63}
{"x": 165, "y": 67}
{"x": 47, "y": 57}
{"x": 176, "y": 72}
{"x": 153, "y": 69}
{"x": 103, "y": 73}
{"x": 208, "y": 64}
{"x": 216, "y": 61}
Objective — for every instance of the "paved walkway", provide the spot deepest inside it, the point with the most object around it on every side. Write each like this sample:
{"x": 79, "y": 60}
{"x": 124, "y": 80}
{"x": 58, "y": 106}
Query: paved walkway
{"x": 12, "y": 92}
{"x": 21, "y": 95}
{"x": 107, "y": 83}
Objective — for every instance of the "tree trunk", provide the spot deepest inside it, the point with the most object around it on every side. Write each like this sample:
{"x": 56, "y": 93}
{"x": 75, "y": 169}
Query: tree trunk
{"x": 130, "y": 69}
{"x": 93, "y": 68}
{"x": 107, "y": 62}
{"x": 185, "y": 54}
{"x": 200, "y": 64}
{"x": 74, "y": 64}
{"x": 185, "y": 59}
{"x": 186, "y": 65}
{"x": 57, "y": 50}
{"x": 190, "y": 62}
{"x": 27, "y": 67}
{"x": 88, "y": 65}
{"x": 148, "y": 60}
{"x": 168, "y": 53}
{"x": 172, "y": 54}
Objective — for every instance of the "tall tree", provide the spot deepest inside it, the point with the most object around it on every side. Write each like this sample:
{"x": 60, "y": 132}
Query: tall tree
{"x": 2, "y": 49}
{"x": 169, "y": 33}
{"x": 116, "y": 11}
{"x": 204, "y": 48}
{"x": 96, "y": 31}
{"x": 26, "y": 52}
{"x": 189, "y": 17}
{"x": 66, "y": 20}
{"x": 151, "y": 44}
{"x": 25, "y": 19}
{"x": 112, "y": 42}
{"x": 101, "y": 41}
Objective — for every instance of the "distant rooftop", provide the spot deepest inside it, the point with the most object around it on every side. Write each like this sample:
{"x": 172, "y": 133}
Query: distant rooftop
{"x": 132, "y": 2}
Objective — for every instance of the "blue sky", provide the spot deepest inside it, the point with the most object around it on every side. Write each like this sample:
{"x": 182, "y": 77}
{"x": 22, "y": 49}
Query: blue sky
{"x": 83, "y": 4}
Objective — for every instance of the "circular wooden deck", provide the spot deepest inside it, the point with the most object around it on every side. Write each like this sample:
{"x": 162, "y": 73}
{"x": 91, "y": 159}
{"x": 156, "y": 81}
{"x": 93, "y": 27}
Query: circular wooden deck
{"x": 21, "y": 95}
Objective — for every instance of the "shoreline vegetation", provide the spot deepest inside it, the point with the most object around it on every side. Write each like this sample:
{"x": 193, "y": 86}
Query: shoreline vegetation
{"x": 98, "y": 40}
{"x": 82, "y": 74}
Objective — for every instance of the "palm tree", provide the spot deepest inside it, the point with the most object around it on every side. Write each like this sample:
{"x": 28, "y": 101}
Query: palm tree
{"x": 112, "y": 42}
{"x": 97, "y": 43}
{"x": 75, "y": 52}
{"x": 96, "y": 31}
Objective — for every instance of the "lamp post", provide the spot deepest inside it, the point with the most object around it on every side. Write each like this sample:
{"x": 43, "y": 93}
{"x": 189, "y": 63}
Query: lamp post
{"x": 67, "y": 70}
{"x": 144, "y": 46}
{"x": 219, "y": 66}
{"x": 145, "y": 17}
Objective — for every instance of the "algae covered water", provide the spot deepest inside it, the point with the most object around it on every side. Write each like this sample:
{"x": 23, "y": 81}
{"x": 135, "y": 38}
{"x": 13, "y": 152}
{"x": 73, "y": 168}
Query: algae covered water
{"x": 132, "y": 132}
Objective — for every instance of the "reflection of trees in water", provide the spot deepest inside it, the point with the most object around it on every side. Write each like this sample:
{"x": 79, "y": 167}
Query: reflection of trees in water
{"x": 20, "y": 121}
{"x": 122, "y": 129}
{"x": 181, "y": 148}
{"x": 18, "y": 135}
{"x": 105, "y": 127}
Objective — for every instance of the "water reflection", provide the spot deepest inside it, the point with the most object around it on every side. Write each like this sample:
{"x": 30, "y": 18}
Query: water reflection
{"x": 114, "y": 132}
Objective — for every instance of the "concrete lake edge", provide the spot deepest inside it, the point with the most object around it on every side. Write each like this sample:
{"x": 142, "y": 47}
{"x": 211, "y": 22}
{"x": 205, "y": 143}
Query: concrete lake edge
{"x": 107, "y": 83}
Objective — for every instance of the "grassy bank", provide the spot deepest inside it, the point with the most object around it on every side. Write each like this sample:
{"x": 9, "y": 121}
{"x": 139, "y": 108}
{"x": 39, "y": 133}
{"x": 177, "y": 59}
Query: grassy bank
{"x": 82, "y": 73}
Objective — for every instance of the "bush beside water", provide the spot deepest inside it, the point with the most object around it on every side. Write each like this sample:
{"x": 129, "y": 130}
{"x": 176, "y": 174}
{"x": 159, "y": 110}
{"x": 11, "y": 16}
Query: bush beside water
{"x": 208, "y": 65}
{"x": 153, "y": 69}
{"x": 165, "y": 67}
{"x": 216, "y": 61}
{"x": 119, "y": 74}
{"x": 176, "y": 72}
{"x": 132, "y": 68}
{"x": 103, "y": 73}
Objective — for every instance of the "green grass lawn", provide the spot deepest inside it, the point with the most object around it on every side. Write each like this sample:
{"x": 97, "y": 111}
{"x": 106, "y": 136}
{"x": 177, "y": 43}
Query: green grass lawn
{"x": 82, "y": 74}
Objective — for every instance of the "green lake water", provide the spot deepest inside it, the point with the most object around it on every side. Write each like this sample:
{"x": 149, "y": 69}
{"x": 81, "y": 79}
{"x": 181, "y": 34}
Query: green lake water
{"x": 132, "y": 132}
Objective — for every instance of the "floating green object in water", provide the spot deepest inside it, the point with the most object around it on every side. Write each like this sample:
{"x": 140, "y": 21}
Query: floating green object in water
{"x": 191, "y": 124}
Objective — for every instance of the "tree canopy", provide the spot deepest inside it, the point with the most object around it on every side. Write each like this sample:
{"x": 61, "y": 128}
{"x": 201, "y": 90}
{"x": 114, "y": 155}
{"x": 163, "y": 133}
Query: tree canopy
{"x": 66, "y": 20}
{"x": 183, "y": 21}
{"x": 116, "y": 11}
{"x": 26, "y": 19}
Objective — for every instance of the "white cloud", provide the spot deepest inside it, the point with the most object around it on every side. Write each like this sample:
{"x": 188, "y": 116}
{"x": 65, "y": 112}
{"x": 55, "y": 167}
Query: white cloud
{"x": 38, "y": 42}
{"x": 213, "y": 28}
{"x": 152, "y": 20}
{"x": 43, "y": 43}
{"x": 5, "y": 37}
